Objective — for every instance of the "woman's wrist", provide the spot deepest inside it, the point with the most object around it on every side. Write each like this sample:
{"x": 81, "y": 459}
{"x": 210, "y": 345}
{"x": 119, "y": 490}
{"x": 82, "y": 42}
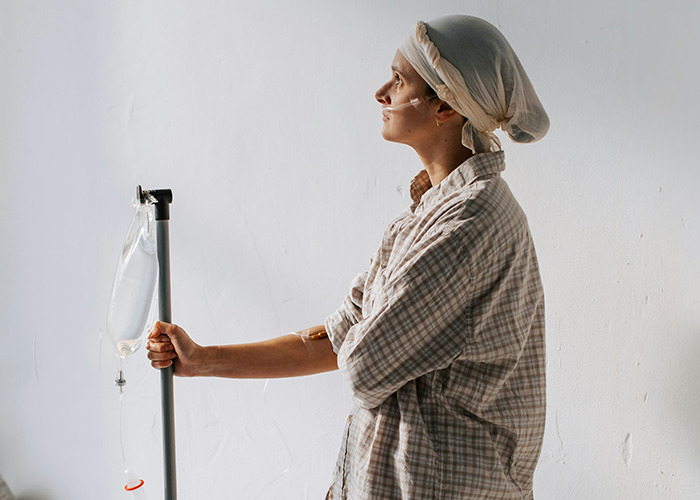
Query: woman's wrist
{"x": 206, "y": 361}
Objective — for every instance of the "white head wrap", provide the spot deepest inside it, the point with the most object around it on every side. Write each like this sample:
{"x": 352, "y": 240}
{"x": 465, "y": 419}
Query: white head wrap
{"x": 472, "y": 67}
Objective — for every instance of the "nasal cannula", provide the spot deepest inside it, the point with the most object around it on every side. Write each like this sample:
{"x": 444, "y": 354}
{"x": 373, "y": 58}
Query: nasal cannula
{"x": 416, "y": 102}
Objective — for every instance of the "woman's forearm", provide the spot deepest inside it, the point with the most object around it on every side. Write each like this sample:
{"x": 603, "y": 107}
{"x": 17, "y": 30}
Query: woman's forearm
{"x": 286, "y": 356}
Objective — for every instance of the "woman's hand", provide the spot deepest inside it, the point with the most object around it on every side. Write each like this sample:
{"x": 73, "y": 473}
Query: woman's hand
{"x": 169, "y": 344}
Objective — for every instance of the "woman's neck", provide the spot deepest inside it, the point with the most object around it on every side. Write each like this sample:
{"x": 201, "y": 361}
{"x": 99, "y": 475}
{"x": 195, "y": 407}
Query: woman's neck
{"x": 443, "y": 156}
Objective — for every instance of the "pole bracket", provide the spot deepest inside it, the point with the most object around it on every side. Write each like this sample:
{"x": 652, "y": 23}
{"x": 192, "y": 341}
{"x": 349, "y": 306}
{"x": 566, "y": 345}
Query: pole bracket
{"x": 161, "y": 198}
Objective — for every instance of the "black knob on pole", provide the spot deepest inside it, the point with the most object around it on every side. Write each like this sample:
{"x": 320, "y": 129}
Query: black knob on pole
{"x": 161, "y": 198}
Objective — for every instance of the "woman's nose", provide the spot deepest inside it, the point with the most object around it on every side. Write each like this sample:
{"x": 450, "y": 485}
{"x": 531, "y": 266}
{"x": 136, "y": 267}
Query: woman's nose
{"x": 381, "y": 95}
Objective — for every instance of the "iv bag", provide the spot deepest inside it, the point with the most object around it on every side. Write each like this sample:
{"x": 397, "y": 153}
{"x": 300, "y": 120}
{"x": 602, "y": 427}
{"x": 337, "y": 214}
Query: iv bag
{"x": 133, "y": 291}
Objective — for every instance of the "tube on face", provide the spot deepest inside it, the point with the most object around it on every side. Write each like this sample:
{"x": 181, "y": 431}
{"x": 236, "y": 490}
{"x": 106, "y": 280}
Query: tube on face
{"x": 417, "y": 102}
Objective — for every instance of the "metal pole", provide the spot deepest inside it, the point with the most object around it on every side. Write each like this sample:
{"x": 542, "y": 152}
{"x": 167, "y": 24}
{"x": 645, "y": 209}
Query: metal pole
{"x": 163, "y": 199}
{"x": 166, "y": 374}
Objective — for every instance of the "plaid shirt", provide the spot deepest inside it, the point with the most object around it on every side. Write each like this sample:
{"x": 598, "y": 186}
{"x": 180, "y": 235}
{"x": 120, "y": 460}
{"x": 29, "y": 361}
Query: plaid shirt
{"x": 442, "y": 344}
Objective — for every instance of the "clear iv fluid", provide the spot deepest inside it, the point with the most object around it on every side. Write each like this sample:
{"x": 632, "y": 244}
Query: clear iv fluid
{"x": 127, "y": 346}
{"x": 133, "y": 291}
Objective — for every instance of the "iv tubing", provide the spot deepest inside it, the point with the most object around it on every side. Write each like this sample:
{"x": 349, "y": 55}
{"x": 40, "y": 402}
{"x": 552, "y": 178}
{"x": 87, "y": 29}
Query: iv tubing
{"x": 133, "y": 482}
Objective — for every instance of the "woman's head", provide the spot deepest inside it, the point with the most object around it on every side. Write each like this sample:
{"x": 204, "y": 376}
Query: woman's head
{"x": 472, "y": 68}
{"x": 412, "y": 112}
{"x": 411, "y": 108}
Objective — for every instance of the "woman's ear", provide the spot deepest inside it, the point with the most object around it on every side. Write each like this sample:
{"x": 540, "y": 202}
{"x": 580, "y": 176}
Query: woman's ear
{"x": 445, "y": 112}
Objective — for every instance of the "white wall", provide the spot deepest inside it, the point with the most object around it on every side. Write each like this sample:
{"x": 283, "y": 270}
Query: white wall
{"x": 262, "y": 121}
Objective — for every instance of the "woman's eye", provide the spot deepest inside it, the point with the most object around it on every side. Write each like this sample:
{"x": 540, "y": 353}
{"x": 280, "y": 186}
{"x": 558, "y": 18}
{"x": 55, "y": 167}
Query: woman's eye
{"x": 397, "y": 79}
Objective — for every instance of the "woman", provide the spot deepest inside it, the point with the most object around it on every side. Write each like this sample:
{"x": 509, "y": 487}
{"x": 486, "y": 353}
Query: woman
{"x": 442, "y": 340}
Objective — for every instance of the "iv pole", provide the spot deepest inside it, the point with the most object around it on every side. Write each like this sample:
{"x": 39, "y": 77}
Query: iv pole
{"x": 162, "y": 198}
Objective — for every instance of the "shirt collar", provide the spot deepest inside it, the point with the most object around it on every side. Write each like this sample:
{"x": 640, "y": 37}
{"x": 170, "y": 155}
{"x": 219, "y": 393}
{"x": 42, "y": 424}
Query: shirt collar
{"x": 423, "y": 193}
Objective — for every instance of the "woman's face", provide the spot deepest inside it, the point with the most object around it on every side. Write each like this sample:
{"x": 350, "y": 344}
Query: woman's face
{"x": 407, "y": 125}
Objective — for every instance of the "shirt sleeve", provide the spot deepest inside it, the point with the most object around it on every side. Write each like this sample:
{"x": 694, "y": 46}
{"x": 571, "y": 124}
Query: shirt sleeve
{"x": 348, "y": 314}
{"x": 421, "y": 321}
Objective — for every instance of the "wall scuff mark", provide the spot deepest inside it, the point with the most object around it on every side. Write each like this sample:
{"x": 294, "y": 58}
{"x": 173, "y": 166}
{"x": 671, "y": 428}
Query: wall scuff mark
{"x": 560, "y": 456}
{"x": 627, "y": 449}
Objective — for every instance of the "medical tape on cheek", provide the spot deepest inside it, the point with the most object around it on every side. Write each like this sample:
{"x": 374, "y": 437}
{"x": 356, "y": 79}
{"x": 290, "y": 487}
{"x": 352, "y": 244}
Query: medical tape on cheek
{"x": 421, "y": 105}
{"x": 418, "y": 103}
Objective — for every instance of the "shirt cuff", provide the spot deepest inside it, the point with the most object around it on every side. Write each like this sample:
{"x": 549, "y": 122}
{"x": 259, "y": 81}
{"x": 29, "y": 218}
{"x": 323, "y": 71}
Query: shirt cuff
{"x": 337, "y": 325}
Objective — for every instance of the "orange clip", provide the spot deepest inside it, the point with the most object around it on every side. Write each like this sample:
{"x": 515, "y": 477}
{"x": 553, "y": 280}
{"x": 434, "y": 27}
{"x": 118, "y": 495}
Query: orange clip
{"x": 316, "y": 336}
{"x": 134, "y": 485}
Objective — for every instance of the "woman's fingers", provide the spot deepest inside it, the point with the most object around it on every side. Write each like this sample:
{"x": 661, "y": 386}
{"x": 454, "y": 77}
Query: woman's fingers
{"x": 161, "y": 328}
{"x": 161, "y": 359}
{"x": 169, "y": 344}
{"x": 156, "y": 354}
{"x": 160, "y": 344}
{"x": 161, "y": 364}
{"x": 160, "y": 350}
{"x": 153, "y": 332}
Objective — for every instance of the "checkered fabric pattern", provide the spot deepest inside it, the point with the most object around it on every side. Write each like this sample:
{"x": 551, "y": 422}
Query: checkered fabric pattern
{"x": 442, "y": 345}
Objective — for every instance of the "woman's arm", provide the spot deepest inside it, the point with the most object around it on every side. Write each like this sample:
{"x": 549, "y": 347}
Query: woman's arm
{"x": 290, "y": 355}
